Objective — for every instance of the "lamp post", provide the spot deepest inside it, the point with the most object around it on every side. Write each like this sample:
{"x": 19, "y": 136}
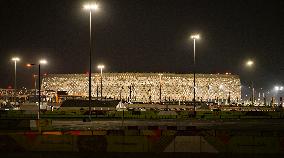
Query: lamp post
{"x": 97, "y": 88}
{"x": 15, "y": 59}
{"x": 34, "y": 76}
{"x": 101, "y": 68}
{"x": 194, "y": 37}
{"x": 160, "y": 88}
{"x": 41, "y": 62}
{"x": 90, "y": 7}
{"x": 249, "y": 64}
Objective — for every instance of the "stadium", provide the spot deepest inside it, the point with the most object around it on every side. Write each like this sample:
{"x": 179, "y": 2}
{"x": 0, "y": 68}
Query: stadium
{"x": 148, "y": 87}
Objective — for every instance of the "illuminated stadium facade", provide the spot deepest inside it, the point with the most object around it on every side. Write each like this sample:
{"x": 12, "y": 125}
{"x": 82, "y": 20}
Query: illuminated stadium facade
{"x": 149, "y": 87}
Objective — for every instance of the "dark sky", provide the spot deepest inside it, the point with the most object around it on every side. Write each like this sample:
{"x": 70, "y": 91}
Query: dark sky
{"x": 144, "y": 36}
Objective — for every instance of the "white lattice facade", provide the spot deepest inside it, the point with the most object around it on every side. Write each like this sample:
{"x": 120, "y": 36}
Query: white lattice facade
{"x": 146, "y": 86}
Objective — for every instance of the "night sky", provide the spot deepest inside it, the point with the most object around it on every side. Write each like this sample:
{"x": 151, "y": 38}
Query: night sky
{"x": 144, "y": 36}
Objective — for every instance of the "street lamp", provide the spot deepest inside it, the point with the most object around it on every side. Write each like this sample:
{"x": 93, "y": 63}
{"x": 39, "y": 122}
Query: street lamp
{"x": 194, "y": 37}
{"x": 41, "y": 62}
{"x": 34, "y": 78}
{"x": 90, "y": 7}
{"x": 249, "y": 64}
{"x": 15, "y": 59}
{"x": 101, "y": 68}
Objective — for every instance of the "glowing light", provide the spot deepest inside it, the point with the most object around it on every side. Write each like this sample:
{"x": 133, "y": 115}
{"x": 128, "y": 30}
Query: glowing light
{"x": 175, "y": 86}
{"x": 249, "y": 63}
{"x": 195, "y": 36}
{"x": 101, "y": 66}
{"x": 276, "y": 88}
{"x": 16, "y": 59}
{"x": 43, "y": 61}
{"x": 92, "y": 6}
{"x": 30, "y": 65}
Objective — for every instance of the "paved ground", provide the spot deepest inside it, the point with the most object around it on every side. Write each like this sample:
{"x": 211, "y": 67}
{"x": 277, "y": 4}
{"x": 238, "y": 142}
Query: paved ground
{"x": 260, "y": 124}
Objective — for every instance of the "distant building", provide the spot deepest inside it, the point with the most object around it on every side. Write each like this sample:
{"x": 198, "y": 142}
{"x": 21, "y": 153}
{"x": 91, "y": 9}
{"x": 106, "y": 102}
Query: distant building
{"x": 145, "y": 87}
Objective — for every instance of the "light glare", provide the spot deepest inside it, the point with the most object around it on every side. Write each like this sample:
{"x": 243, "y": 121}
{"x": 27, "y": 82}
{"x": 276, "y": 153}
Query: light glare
{"x": 195, "y": 36}
{"x": 94, "y": 7}
{"x": 250, "y": 63}
{"x": 101, "y": 66}
{"x": 43, "y": 61}
{"x": 16, "y": 59}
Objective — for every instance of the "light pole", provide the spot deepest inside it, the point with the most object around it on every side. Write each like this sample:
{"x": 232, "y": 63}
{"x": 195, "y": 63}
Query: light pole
{"x": 249, "y": 64}
{"x": 194, "y": 37}
{"x": 41, "y": 62}
{"x": 101, "y": 68}
{"x": 160, "y": 88}
{"x": 15, "y": 59}
{"x": 90, "y": 7}
{"x": 34, "y": 78}
{"x": 35, "y": 83}
{"x": 97, "y": 88}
